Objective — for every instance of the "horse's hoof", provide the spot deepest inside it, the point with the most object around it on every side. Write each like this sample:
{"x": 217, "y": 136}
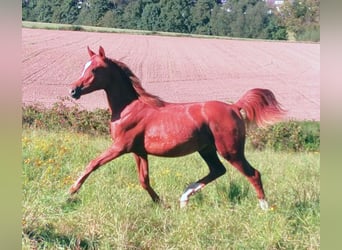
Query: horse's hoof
{"x": 73, "y": 190}
{"x": 263, "y": 204}
{"x": 161, "y": 203}
{"x": 183, "y": 203}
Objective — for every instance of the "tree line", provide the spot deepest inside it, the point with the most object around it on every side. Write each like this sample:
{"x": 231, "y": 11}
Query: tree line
{"x": 234, "y": 18}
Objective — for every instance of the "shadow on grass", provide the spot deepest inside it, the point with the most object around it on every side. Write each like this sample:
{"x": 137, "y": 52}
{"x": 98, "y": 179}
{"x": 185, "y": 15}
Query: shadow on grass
{"x": 47, "y": 237}
{"x": 306, "y": 206}
{"x": 234, "y": 194}
{"x": 71, "y": 204}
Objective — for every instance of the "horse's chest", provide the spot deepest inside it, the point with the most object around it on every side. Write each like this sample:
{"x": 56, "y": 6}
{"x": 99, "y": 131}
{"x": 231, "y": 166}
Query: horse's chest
{"x": 114, "y": 130}
{"x": 123, "y": 131}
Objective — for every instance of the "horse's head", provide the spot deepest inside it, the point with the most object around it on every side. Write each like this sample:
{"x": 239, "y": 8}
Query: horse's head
{"x": 94, "y": 75}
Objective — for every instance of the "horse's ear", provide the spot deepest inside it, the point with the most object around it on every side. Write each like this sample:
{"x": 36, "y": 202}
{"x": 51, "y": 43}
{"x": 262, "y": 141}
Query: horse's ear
{"x": 101, "y": 52}
{"x": 90, "y": 52}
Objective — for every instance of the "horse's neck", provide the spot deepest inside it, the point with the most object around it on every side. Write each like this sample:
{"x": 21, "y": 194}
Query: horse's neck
{"x": 118, "y": 102}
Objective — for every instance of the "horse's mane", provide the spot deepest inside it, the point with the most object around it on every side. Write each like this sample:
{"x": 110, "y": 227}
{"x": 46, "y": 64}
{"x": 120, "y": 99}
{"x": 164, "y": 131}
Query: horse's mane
{"x": 132, "y": 79}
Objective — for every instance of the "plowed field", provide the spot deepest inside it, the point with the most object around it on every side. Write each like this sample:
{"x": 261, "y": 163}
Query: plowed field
{"x": 178, "y": 69}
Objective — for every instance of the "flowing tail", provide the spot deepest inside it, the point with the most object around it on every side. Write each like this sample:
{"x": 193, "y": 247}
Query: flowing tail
{"x": 260, "y": 106}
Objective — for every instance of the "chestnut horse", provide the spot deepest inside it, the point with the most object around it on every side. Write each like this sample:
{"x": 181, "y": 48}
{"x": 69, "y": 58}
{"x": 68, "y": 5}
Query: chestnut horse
{"x": 143, "y": 124}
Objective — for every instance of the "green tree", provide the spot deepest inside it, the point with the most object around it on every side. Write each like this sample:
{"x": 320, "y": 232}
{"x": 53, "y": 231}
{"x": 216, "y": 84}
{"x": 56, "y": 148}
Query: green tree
{"x": 256, "y": 19}
{"x": 43, "y": 11}
{"x": 275, "y": 30}
{"x": 65, "y": 11}
{"x": 248, "y": 18}
{"x": 237, "y": 13}
{"x": 220, "y": 21}
{"x": 27, "y": 8}
{"x": 301, "y": 17}
{"x": 150, "y": 18}
{"x": 109, "y": 20}
{"x": 175, "y": 15}
{"x": 132, "y": 14}
{"x": 92, "y": 11}
{"x": 201, "y": 14}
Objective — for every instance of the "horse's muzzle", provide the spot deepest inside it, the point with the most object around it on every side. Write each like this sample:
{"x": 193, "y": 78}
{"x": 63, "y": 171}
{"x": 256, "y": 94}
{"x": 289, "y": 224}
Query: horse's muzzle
{"x": 76, "y": 92}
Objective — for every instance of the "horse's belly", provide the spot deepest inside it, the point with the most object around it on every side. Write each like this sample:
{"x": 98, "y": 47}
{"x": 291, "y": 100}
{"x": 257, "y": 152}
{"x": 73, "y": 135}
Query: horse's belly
{"x": 172, "y": 145}
{"x": 175, "y": 131}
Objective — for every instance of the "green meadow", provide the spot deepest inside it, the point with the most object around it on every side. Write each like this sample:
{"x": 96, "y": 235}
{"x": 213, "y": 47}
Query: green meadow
{"x": 112, "y": 211}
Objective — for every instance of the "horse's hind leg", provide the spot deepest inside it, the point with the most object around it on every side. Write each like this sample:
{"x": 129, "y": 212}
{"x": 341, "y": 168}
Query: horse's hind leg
{"x": 216, "y": 169}
{"x": 253, "y": 176}
{"x": 142, "y": 165}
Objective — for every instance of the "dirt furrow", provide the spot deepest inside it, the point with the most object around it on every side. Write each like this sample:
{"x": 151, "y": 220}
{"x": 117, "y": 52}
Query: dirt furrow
{"x": 178, "y": 69}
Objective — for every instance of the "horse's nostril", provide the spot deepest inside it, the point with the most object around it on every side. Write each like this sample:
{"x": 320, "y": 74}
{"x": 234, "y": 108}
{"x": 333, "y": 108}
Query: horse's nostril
{"x": 75, "y": 93}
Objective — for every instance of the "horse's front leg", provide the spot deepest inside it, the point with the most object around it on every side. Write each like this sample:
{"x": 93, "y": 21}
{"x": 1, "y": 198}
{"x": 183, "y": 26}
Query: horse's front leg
{"x": 142, "y": 167}
{"x": 108, "y": 155}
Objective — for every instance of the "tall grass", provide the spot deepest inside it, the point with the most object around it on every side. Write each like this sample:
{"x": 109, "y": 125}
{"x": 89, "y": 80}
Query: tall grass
{"x": 112, "y": 211}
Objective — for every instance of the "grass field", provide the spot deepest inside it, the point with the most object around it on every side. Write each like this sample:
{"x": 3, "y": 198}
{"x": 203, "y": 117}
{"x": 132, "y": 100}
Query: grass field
{"x": 112, "y": 211}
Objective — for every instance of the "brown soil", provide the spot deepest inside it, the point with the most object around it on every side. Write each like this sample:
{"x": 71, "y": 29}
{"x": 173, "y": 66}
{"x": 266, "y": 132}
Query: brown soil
{"x": 177, "y": 69}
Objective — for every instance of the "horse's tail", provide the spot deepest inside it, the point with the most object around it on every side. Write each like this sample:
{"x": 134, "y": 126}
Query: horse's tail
{"x": 260, "y": 106}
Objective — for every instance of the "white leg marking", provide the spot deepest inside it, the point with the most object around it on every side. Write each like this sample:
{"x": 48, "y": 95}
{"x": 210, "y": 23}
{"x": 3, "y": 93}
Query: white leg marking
{"x": 191, "y": 190}
{"x": 263, "y": 204}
